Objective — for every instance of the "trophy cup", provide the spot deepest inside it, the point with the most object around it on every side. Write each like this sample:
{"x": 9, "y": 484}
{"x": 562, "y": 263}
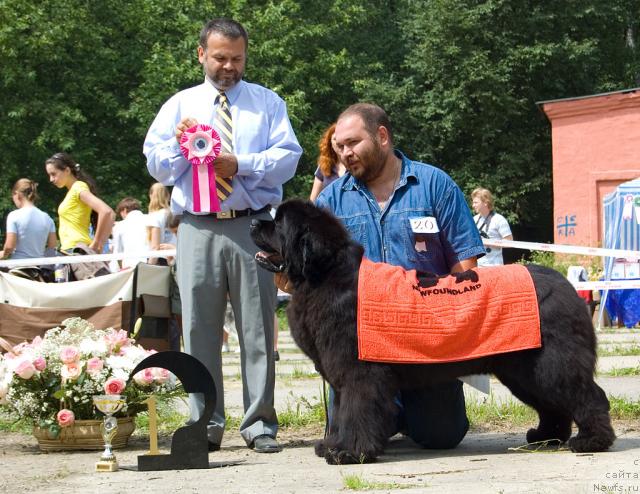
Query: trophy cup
{"x": 108, "y": 404}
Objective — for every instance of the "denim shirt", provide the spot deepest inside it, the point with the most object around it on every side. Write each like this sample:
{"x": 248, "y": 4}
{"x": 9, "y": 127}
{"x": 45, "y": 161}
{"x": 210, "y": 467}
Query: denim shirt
{"x": 423, "y": 191}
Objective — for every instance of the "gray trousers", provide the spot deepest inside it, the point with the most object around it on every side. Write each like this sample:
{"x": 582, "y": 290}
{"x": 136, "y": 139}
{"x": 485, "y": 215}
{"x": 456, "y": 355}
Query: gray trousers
{"x": 215, "y": 257}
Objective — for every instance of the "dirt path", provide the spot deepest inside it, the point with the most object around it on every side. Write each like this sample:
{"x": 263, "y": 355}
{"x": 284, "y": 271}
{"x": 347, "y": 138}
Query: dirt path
{"x": 483, "y": 463}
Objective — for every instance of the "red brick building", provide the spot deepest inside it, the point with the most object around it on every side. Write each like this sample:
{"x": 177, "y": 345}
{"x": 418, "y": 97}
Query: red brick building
{"x": 595, "y": 147}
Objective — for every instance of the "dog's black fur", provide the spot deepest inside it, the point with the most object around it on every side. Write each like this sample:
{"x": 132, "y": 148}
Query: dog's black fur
{"x": 314, "y": 250}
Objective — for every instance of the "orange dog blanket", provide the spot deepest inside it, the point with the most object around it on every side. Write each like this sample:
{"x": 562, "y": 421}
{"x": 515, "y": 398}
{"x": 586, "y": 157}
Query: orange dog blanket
{"x": 401, "y": 322}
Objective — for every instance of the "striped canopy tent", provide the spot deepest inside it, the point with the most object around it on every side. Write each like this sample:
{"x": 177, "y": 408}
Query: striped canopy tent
{"x": 622, "y": 217}
{"x": 621, "y": 224}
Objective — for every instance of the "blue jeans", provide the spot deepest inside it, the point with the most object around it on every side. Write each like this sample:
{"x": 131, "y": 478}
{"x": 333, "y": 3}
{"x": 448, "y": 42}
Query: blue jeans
{"x": 434, "y": 417}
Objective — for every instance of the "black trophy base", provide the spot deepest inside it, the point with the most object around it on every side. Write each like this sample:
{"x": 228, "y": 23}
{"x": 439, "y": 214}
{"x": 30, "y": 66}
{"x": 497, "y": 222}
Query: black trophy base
{"x": 148, "y": 463}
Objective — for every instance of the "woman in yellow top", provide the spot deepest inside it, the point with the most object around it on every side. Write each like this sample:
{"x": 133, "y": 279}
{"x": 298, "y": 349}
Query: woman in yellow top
{"x": 80, "y": 207}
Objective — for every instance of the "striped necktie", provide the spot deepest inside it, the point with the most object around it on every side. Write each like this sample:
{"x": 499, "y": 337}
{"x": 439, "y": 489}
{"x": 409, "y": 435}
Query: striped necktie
{"x": 224, "y": 125}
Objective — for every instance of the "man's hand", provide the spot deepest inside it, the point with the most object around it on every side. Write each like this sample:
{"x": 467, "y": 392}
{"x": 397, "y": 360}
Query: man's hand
{"x": 226, "y": 165}
{"x": 283, "y": 283}
{"x": 185, "y": 123}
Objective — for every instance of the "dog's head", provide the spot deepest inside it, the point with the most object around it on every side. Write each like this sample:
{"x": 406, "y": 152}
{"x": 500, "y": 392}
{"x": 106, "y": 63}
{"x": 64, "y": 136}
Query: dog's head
{"x": 303, "y": 241}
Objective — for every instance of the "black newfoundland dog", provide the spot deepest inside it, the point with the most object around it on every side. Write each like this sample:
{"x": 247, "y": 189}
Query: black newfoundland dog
{"x": 321, "y": 261}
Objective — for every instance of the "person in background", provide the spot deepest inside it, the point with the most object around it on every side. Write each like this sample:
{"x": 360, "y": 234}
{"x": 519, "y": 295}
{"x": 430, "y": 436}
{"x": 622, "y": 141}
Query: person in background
{"x": 175, "y": 325}
{"x": 30, "y": 231}
{"x": 80, "y": 207}
{"x": 490, "y": 225}
{"x": 377, "y": 200}
{"x": 158, "y": 220}
{"x": 330, "y": 168}
{"x": 215, "y": 253}
{"x": 130, "y": 234}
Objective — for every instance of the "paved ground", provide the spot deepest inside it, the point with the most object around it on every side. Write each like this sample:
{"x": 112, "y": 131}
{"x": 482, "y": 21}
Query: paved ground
{"x": 484, "y": 463}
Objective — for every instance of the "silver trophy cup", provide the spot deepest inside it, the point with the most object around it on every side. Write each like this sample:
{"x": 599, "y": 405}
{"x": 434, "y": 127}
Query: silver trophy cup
{"x": 109, "y": 405}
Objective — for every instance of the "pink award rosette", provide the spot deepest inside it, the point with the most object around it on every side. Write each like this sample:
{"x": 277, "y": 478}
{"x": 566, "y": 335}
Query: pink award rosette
{"x": 200, "y": 144}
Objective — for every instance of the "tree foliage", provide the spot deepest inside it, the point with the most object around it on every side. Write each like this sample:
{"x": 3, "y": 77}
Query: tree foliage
{"x": 459, "y": 78}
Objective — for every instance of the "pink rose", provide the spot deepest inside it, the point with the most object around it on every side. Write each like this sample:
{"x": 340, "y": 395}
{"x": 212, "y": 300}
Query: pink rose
{"x": 145, "y": 377}
{"x": 94, "y": 365}
{"x": 24, "y": 368}
{"x": 71, "y": 372}
{"x": 69, "y": 354}
{"x": 40, "y": 364}
{"x": 18, "y": 349}
{"x": 116, "y": 340}
{"x": 114, "y": 386}
{"x": 65, "y": 418}
{"x": 161, "y": 375}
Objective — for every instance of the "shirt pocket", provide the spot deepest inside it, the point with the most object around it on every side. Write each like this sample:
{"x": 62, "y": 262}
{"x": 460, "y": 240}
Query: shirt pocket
{"x": 357, "y": 228}
{"x": 421, "y": 247}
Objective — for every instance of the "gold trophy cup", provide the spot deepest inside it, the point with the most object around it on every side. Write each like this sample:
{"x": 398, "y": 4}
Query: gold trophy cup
{"x": 108, "y": 404}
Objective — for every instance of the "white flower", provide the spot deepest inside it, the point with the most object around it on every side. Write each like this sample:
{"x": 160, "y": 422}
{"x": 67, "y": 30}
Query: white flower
{"x": 93, "y": 347}
{"x": 119, "y": 362}
{"x": 135, "y": 354}
{"x": 120, "y": 374}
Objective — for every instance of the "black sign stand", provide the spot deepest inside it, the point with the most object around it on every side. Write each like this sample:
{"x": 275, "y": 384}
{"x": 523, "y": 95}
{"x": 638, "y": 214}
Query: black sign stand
{"x": 189, "y": 444}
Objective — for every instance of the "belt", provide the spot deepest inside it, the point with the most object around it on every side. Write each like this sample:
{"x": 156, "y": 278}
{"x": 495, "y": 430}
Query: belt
{"x": 238, "y": 213}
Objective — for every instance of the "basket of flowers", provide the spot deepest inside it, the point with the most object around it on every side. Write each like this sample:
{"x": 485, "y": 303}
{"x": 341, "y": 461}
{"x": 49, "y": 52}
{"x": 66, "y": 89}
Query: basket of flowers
{"x": 50, "y": 382}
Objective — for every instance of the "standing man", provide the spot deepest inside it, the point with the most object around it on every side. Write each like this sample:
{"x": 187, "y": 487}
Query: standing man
{"x": 215, "y": 253}
{"x": 413, "y": 215}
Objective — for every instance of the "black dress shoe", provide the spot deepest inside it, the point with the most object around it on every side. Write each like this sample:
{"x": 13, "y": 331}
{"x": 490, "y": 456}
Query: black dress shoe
{"x": 265, "y": 444}
{"x": 213, "y": 446}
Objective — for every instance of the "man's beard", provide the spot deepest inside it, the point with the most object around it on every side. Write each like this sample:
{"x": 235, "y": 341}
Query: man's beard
{"x": 225, "y": 80}
{"x": 371, "y": 164}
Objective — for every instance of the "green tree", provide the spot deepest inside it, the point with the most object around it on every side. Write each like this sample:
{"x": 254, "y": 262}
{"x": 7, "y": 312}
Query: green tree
{"x": 472, "y": 74}
{"x": 460, "y": 79}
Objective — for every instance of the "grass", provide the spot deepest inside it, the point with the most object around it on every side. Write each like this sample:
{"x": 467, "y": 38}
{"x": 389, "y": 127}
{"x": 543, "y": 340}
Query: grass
{"x": 11, "y": 423}
{"x": 504, "y": 414}
{"x": 303, "y": 412}
{"x": 624, "y": 409}
{"x": 619, "y": 351}
{"x": 357, "y": 483}
{"x": 301, "y": 373}
{"x": 621, "y": 372}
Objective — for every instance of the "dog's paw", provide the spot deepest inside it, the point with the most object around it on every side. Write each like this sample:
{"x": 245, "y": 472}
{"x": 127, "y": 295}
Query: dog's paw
{"x": 341, "y": 457}
{"x": 536, "y": 436}
{"x": 590, "y": 444}
{"x": 320, "y": 449}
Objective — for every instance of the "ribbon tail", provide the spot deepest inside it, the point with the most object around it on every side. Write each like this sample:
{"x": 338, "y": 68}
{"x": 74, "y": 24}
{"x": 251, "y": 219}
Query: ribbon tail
{"x": 196, "y": 189}
{"x": 213, "y": 190}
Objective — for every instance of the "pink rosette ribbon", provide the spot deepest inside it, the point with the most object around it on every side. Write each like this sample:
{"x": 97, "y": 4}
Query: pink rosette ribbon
{"x": 201, "y": 145}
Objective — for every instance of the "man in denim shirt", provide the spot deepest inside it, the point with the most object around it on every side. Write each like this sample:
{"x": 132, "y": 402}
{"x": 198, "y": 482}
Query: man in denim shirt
{"x": 412, "y": 215}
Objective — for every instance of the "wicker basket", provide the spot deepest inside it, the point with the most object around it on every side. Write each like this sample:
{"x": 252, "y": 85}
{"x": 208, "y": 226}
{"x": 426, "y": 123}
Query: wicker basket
{"x": 84, "y": 434}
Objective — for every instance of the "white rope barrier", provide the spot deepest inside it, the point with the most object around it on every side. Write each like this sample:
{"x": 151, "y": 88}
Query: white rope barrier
{"x": 580, "y": 250}
{"x": 607, "y": 285}
{"x": 565, "y": 249}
